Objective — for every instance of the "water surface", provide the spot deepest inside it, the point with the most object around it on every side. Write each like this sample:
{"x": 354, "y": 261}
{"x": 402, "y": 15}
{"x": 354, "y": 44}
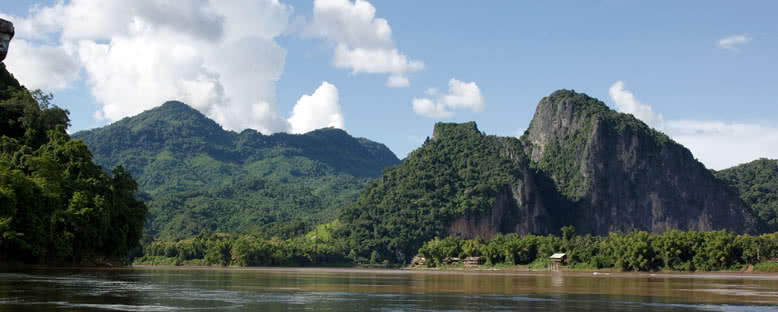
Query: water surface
{"x": 273, "y": 289}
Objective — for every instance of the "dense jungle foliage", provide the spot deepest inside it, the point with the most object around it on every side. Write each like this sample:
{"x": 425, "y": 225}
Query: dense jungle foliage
{"x": 245, "y": 250}
{"x": 757, "y": 184}
{"x": 457, "y": 172}
{"x": 637, "y": 251}
{"x": 56, "y": 205}
{"x": 198, "y": 177}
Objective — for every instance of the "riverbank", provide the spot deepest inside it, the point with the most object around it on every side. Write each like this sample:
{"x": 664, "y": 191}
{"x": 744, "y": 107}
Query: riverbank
{"x": 469, "y": 271}
{"x": 484, "y": 269}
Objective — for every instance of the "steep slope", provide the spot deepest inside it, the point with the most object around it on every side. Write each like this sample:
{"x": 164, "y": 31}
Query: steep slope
{"x": 621, "y": 175}
{"x": 757, "y": 184}
{"x": 197, "y": 176}
{"x": 460, "y": 182}
{"x": 56, "y": 205}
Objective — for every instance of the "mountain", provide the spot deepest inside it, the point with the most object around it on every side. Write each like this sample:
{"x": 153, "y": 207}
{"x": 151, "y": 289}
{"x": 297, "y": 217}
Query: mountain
{"x": 459, "y": 182}
{"x": 757, "y": 184}
{"x": 579, "y": 163}
{"x": 198, "y": 177}
{"x": 622, "y": 175}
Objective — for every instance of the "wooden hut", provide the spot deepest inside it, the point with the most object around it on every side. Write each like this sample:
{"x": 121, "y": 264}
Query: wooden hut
{"x": 472, "y": 261}
{"x": 557, "y": 260}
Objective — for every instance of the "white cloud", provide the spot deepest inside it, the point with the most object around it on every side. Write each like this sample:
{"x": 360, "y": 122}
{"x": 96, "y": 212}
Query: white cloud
{"x": 42, "y": 66}
{"x": 429, "y": 108}
{"x": 397, "y": 82}
{"x": 374, "y": 61}
{"x": 717, "y": 144}
{"x": 350, "y": 22}
{"x": 732, "y": 42}
{"x": 722, "y": 145}
{"x": 363, "y": 42}
{"x": 218, "y": 56}
{"x": 461, "y": 95}
{"x": 464, "y": 95}
{"x": 318, "y": 110}
{"x": 627, "y": 103}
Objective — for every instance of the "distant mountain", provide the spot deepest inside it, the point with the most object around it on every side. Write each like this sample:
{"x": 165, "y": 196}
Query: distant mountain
{"x": 757, "y": 184}
{"x": 579, "y": 163}
{"x": 198, "y": 177}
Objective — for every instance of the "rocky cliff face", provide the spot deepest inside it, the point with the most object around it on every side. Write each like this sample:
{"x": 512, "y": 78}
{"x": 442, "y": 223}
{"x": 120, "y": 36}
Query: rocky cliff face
{"x": 620, "y": 175}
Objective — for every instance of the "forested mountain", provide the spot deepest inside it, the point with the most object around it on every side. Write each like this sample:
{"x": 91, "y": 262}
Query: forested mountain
{"x": 579, "y": 163}
{"x": 757, "y": 184}
{"x": 56, "y": 205}
{"x": 198, "y": 177}
{"x": 460, "y": 181}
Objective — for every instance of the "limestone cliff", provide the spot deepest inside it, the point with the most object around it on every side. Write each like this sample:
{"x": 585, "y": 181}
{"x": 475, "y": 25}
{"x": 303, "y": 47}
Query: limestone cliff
{"x": 620, "y": 175}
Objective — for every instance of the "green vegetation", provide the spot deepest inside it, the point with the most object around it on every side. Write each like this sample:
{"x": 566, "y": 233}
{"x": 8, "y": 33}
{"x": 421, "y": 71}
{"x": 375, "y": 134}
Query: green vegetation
{"x": 637, "y": 251}
{"x": 56, "y": 205}
{"x": 197, "y": 177}
{"x": 770, "y": 266}
{"x": 757, "y": 184}
{"x": 245, "y": 250}
{"x": 458, "y": 172}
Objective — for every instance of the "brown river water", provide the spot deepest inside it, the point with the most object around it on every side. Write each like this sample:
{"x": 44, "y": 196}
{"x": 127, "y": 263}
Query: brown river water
{"x": 312, "y": 289}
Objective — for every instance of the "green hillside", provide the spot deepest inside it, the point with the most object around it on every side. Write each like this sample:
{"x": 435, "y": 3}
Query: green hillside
{"x": 757, "y": 184}
{"x": 198, "y": 177}
{"x": 458, "y": 172}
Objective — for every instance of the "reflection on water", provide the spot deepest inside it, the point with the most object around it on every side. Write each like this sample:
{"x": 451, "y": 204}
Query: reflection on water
{"x": 145, "y": 289}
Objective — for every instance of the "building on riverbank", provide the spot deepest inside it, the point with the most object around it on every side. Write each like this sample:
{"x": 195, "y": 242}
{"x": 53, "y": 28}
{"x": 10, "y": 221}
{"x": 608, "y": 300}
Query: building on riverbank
{"x": 557, "y": 260}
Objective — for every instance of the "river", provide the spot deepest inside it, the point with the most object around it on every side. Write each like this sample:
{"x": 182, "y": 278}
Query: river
{"x": 307, "y": 289}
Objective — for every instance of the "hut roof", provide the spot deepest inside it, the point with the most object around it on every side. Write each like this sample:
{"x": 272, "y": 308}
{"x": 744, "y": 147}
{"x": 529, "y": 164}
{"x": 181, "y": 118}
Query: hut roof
{"x": 558, "y": 255}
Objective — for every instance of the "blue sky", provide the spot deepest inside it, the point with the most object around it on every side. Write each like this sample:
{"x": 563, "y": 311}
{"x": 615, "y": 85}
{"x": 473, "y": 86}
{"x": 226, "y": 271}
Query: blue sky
{"x": 705, "y": 72}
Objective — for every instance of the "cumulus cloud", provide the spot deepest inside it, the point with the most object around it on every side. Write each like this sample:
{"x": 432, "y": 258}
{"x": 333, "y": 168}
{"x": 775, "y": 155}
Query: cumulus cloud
{"x": 717, "y": 144}
{"x": 221, "y": 57}
{"x": 363, "y": 42}
{"x": 464, "y": 95}
{"x": 732, "y": 42}
{"x": 318, "y": 110}
{"x": 41, "y": 66}
{"x": 430, "y": 108}
{"x": 627, "y": 103}
{"x": 461, "y": 95}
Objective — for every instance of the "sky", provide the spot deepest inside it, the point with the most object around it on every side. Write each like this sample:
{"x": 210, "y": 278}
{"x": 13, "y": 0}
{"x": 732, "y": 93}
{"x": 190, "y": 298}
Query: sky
{"x": 704, "y": 72}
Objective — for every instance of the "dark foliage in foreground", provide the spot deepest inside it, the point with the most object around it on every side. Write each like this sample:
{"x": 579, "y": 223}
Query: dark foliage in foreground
{"x": 56, "y": 205}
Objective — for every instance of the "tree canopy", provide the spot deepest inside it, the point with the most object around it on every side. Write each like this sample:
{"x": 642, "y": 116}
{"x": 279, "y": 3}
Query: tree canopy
{"x": 757, "y": 184}
{"x": 56, "y": 205}
{"x": 196, "y": 177}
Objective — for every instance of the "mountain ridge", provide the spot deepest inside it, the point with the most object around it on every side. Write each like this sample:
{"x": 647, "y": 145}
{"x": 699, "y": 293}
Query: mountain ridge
{"x": 177, "y": 154}
{"x": 579, "y": 163}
